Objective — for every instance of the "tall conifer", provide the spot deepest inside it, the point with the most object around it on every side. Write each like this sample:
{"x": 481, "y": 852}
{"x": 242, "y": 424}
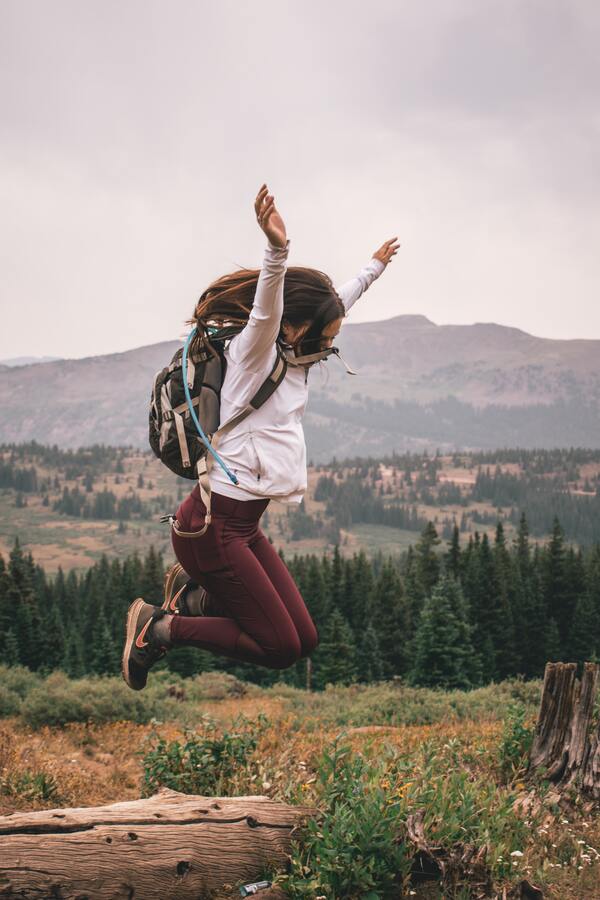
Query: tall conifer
{"x": 337, "y": 656}
{"x": 390, "y": 617}
{"x": 556, "y": 589}
{"x": 442, "y": 644}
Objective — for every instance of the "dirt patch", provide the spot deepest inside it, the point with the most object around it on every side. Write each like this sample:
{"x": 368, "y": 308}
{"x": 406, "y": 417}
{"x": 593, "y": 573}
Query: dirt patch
{"x": 51, "y": 556}
{"x": 87, "y": 541}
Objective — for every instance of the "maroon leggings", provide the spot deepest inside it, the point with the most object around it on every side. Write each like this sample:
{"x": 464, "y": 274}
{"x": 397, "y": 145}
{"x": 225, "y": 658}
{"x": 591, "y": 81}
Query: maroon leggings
{"x": 265, "y": 620}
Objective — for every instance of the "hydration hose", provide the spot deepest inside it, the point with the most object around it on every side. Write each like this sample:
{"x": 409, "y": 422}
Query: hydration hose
{"x": 203, "y": 437}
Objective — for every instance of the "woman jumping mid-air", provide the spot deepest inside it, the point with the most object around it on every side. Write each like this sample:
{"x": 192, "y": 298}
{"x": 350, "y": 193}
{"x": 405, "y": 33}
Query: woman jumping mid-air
{"x": 231, "y": 593}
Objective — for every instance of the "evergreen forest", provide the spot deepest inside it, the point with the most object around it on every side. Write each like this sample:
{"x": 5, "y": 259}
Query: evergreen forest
{"x": 453, "y": 613}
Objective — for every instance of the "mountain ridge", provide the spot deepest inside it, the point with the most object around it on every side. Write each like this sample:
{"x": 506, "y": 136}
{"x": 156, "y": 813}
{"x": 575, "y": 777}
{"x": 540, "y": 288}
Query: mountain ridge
{"x": 429, "y": 384}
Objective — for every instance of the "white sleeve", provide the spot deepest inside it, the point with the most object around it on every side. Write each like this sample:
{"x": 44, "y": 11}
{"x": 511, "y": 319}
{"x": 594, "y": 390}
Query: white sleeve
{"x": 351, "y": 290}
{"x": 254, "y": 343}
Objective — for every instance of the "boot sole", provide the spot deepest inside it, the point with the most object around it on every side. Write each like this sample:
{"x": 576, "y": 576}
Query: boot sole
{"x": 130, "y": 628}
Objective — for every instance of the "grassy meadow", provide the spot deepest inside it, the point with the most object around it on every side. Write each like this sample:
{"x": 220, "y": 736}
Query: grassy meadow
{"x": 437, "y": 489}
{"x": 367, "y": 756}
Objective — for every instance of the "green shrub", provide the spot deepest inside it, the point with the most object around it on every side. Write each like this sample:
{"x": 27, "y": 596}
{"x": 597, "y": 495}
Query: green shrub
{"x": 204, "y": 763}
{"x": 30, "y": 785}
{"x": 18, "y": 679}
{"x": 217, "y": 686}
{"x": 351, "y": 849}
{"x": 10, "y": 702}
{"x": 514, "y": 747}
{"x": 358, "y": 846}
{"x": 396, "y": 703}
{"x": 59, "y": 699}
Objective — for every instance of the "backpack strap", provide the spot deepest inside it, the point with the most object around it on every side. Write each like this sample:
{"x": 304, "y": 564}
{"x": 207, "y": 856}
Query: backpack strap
{"x": 311, "y": 358}
{"x": 268, "y": 387}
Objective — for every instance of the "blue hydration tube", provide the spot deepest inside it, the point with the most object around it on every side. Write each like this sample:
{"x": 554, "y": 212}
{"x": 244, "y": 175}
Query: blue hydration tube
{"x": 193, "y": 411}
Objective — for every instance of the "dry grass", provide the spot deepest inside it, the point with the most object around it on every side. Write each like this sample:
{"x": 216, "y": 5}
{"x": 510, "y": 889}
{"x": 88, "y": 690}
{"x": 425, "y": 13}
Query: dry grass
{"x": 99, "y": 764}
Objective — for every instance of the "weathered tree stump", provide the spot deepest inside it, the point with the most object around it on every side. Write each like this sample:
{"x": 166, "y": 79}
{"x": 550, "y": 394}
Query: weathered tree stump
{"x": 169, "y": 845}
{"x": 567, "y": 734}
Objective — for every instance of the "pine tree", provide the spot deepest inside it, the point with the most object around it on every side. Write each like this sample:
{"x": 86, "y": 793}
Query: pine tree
{"x": 453, "y": 555}
{"x": 71, "y": 609}
{"x": 507, "y": 659}
{"x": 486, "y": 586}
{"x": 152, "y": 578}
{"x": 460, "y": 608}
{"x": 105, "y": 657}
{"x": 53, "y": 639}
{"x": 5, "y": 604}
{"x": 442, "y": 643}
{"x": 487, "y": 660}
{"x": 189, "y": 661}
{"x": 335, "y": 657}
{"x": 130, "y": 580}
{"x": 369, "y": 664}
{"x": 576, "y": 588}
{"x": 555, "y": 582}
{"x": 427, "y": 561}
{"x": 480, "y": 591}
{"x": 531, "y": 624}
{"x": 525, "y": 602}
{"x": 337, "y": 587}
{"x": 390, "y": 616}
{"x": 414, "y": 594}
{"x": 552, "y": 641}
{"x": 73, "y": 662}
{"x": 583, "y": 646}
{"x": 593, "y": 582}
{"x": 10, "y": 652}
{"x": 21, "y": 602}
{"x": 315, "y": 592}
{"x": 359, "y": 582}
{"x": 522, "y": 548}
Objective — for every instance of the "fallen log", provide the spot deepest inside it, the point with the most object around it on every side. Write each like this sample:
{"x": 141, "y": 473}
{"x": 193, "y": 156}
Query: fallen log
{"x": 566, "y": 744}
{"x": 169, "y": 845}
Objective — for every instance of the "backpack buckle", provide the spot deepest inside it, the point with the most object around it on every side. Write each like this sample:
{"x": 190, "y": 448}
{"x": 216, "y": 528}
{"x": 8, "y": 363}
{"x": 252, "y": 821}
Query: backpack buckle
{"x": 203, "y": 354}
{"x": 168, "y": 415}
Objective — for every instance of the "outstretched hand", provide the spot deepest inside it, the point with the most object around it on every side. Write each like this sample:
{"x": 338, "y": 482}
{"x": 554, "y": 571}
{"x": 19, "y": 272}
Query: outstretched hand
{"x": 387, "y": 250}
{"x": 269, "y": 219}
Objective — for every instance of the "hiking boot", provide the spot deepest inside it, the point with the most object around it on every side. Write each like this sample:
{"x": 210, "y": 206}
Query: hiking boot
{"x": 141, "y": 650}
{"x": 175, "y": 579}
{"x": 183, "y": 596}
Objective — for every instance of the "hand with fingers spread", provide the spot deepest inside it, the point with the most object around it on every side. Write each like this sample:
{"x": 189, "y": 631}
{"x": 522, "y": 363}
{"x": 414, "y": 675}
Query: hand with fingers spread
{"x": 269, "y": 218}
{"x": 387, "y": 250}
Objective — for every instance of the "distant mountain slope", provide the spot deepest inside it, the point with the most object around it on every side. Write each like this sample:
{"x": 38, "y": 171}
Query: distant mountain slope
{"x": 27, "y": 360}
{"x": 419, "y": 385}
{"x": 410, "y": 357}
{"x": 74, "y": 402}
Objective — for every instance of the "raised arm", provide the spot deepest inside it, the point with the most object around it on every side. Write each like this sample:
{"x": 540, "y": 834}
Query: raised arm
{"x": 253, "y": 345}
{"x": 350, "y": 291}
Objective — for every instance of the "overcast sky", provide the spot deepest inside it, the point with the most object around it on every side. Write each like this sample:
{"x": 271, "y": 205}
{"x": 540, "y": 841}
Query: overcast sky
{"x": 135, "y": 135}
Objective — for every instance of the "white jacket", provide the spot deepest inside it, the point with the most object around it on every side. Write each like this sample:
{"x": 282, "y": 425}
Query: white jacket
{"x": 267, "y": 450}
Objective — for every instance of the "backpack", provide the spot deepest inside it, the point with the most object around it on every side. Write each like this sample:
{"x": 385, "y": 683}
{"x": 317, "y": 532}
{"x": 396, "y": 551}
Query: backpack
{"x": 184, "y": 419}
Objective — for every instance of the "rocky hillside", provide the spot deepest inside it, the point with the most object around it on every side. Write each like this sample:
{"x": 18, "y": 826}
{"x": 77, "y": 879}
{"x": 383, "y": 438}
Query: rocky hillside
{"x": 419, "y": 385}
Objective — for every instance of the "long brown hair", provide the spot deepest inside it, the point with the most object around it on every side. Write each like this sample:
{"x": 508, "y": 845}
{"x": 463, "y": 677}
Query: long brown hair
{"x": 308, "y": 296}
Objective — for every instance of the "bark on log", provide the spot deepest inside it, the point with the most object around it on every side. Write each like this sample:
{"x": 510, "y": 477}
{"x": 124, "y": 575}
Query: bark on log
{"x": 567, "y": 737}
{"x": 169, "y": 845}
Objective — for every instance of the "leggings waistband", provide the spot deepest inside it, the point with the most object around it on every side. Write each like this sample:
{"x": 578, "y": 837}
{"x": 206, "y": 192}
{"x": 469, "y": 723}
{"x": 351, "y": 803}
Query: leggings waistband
{"x": 229, "y": 506}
